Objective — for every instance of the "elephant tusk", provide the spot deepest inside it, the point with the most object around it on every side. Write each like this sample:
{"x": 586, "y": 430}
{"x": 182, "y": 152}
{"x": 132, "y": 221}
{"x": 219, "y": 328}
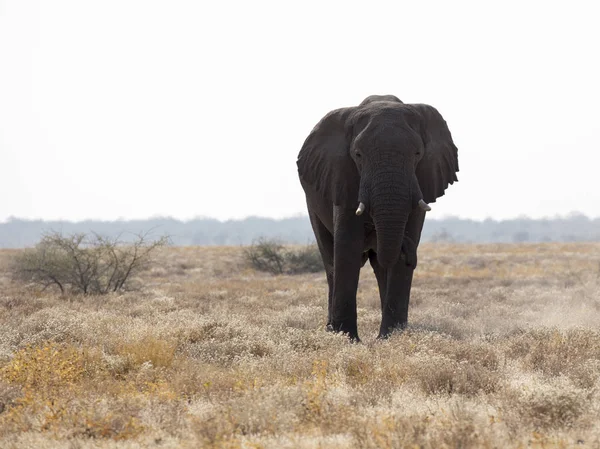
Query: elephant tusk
{"x": 423, "y": 205}
{"x": 361, "y": 209}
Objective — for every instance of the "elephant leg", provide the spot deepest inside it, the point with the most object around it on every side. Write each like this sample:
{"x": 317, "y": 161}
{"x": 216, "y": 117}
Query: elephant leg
{"x": 394, "y": 309}
{"x": 398, "y": 279}
{"x": 325, "y": 244}
{"x": 348, "y": 243}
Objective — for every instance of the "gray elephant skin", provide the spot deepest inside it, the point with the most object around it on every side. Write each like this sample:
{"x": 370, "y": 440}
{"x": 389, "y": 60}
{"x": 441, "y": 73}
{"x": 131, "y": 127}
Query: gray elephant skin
{"x": 368, "y": 172}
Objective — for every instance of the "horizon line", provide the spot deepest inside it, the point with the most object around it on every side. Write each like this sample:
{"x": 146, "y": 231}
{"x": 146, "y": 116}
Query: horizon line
{"x": 10, "y": 219}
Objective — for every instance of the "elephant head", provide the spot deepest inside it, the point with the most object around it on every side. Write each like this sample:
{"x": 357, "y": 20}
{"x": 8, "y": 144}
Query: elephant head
{"x": 382, "y": 157}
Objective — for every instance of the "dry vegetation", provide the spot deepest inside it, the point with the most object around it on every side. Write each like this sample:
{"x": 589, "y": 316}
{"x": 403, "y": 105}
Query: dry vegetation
{"x": 503, "y": 350}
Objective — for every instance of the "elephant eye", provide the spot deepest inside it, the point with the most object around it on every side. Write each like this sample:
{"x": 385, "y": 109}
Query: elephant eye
{"x": 358, "y": 154}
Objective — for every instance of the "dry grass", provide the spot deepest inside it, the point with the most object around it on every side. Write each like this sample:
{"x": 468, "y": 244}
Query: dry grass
{"x": 502, "y": 350}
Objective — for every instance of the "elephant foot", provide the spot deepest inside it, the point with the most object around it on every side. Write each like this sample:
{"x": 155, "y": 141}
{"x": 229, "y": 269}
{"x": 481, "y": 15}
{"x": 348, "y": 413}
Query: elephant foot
{"x": 351, "y": 333}
{"x": 385, "y": 333}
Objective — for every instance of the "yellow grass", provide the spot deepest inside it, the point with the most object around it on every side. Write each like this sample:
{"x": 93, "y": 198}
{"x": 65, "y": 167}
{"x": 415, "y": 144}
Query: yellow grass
{"x": 502, "y": 350}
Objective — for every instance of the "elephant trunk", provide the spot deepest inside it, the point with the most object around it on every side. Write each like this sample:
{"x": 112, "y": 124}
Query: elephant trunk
{"x": 391, "y": 203}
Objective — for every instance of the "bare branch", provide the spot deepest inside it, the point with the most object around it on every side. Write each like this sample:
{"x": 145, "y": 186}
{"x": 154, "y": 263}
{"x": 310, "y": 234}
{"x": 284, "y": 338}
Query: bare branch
{"x": 89, "y": 264}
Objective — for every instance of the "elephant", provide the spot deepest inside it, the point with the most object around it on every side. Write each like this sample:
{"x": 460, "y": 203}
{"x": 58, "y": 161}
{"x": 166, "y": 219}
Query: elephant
{"x": 369, "y": 173}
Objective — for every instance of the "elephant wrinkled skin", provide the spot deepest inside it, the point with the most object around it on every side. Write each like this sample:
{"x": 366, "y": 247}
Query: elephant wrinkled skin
{"x": 368, "y": 172}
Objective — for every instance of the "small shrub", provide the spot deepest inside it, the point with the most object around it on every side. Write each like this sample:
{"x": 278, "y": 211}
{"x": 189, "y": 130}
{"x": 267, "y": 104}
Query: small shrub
{"x": 149, "y": 349}
{"x": 305, "y": 260}
{"x": 95, "y": 424}
{"x": 88, "y": 264}
{"x": 445, "y": 376}
{"x": 273, "y": 257}
{"x": 554, "y": 409}
{"x": 8, "y": 394}
{"x": 315, "y": 403}
{"x": 359, "y": 371}
{"x": 45, "y": 367}
{"x": 457, "y": 430}
{"x": 574, "y": 353}
{"x": 548, "y": 406}
{"x": 266, "y": 255}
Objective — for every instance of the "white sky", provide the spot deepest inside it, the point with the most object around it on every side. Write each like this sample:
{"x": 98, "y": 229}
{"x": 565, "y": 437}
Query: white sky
{"x": 138, "y": 108}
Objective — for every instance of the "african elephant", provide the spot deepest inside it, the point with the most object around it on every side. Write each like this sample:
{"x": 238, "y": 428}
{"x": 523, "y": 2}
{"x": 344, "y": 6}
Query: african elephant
{"x": 368, "y": 172}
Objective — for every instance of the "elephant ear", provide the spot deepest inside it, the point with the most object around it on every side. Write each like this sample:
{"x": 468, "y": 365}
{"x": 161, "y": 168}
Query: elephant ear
{"x": 438, "y": 167}
{"x": 324, "y": 162}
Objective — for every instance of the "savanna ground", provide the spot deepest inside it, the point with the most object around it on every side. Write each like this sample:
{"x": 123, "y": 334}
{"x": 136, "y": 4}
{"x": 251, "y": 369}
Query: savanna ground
{"x": 502, "y": 351}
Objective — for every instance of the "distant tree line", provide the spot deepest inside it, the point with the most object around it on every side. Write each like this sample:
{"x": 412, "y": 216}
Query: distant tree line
{"x": 18, "y": 233}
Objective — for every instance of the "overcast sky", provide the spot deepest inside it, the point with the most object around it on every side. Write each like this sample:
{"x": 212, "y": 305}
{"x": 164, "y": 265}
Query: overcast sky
{"x": 137, "y": 108}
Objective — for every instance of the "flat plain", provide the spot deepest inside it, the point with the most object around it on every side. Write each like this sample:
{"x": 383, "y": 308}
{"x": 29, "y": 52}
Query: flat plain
{"x": 502, "y": 351}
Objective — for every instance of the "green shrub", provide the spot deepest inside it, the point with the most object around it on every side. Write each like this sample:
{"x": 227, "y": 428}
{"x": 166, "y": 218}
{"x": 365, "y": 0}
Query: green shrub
{"x": 304, "y": 260}
{"x": 273, "y": 257}
{"x": 266, "y": 255}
